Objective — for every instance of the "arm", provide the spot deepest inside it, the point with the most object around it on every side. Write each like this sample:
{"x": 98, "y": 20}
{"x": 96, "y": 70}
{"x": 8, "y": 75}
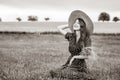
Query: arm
{"x": 78, "y": 57}
{"x": 85, "y": 54}
{"x": 62, "y": 29}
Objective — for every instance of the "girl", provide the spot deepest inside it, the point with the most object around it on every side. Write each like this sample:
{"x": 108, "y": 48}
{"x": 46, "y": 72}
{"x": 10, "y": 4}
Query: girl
{"x": 79, "y": 43}
{"x": 81, "y": 27}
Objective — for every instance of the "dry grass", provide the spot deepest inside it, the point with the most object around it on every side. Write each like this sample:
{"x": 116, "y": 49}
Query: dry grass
{"x": 32, "y": 56}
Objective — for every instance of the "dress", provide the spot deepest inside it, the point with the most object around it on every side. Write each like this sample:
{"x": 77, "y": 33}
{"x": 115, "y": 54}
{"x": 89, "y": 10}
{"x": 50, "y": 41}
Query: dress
{"x": 78, "y": 68}
{"x": 76, "y": 48}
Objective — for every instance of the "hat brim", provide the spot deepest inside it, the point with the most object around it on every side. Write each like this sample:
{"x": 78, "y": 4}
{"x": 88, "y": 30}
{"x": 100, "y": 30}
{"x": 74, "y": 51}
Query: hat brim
{"x": 81, "y": 15}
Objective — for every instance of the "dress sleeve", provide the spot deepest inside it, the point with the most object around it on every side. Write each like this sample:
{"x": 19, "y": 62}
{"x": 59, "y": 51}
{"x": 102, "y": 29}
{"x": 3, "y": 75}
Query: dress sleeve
{"x": 67, "y": 36}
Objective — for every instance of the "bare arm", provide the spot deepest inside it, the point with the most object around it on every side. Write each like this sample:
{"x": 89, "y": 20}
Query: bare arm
{"x": 62, "y": 29}
{"x": 85, "y": 54}
{"x": 78, "y": 57}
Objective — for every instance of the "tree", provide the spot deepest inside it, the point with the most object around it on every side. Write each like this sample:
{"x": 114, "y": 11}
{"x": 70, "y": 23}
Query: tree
{"x": 115, "y": 19}
{"x": 47, "y": 19}
{"x": 32, "y": 18}
{"x": 104, "y": 17}
{"x": 0, "y": 20}
{"x": 19, "y": 19}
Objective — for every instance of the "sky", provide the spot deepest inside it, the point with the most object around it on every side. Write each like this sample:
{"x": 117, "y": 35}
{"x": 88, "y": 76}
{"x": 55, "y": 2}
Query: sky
{"x": 57, "y": 10}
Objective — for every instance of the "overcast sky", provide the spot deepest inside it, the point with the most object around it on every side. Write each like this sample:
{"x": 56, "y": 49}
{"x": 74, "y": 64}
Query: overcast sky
{"x": 57, "y": 10}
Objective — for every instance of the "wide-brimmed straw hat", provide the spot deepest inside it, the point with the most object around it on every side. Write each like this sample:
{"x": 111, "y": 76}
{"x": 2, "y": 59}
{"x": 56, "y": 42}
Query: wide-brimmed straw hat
{"x": 77, "y": 14}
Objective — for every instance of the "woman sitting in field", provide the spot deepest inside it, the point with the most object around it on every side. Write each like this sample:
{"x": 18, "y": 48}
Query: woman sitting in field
{"x": 79, "y": 42}
{"x": 79, "y": 47}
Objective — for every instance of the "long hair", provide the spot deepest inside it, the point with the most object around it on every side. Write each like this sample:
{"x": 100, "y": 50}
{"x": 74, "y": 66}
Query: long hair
{"x": 85, "y": 36}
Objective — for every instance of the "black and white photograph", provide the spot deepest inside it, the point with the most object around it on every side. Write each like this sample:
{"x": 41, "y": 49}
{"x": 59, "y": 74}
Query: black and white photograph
{"x": 59, "y": 40}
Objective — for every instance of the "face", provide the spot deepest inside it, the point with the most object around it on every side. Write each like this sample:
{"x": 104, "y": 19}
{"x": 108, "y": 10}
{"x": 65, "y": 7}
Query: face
{"x": 76, "y": 25}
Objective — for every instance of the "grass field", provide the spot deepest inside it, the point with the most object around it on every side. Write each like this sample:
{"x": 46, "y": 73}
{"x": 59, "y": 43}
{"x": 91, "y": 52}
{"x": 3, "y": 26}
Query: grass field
{"x": 99, "y": 27}
{"x": 32, "y": 56}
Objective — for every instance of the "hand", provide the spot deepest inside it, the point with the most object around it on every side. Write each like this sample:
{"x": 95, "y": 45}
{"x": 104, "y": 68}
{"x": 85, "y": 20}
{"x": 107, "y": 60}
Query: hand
{"x": 64, "y": 66}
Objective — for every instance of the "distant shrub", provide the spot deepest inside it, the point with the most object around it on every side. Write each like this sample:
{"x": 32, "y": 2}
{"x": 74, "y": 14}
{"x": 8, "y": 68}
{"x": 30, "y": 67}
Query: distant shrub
{"x": 47, "y": 19}
{"x": 19, "y": 19}
{"x": 0, "y": 19}
{"x": 50, "y": 32}
{"x": 115, "y": 19}
{"x": 107, "y": 34}
{"x": 13, "y": 32}
{"x": 32, "y": 18}
{"x": 104, "y": 17}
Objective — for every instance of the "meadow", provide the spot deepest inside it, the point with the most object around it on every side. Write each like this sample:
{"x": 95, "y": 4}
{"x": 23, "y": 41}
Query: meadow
{"x": 32, "y": 56}
{"x": 37, "y": 27}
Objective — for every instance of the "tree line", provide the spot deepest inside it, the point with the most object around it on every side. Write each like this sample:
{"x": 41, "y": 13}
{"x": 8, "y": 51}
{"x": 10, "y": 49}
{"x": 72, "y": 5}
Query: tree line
{"x": 30, "y": 18}
{"x": 103, "y": 16}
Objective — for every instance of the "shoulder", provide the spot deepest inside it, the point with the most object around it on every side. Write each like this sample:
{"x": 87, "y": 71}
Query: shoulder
{"x": 69, "y": 35}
